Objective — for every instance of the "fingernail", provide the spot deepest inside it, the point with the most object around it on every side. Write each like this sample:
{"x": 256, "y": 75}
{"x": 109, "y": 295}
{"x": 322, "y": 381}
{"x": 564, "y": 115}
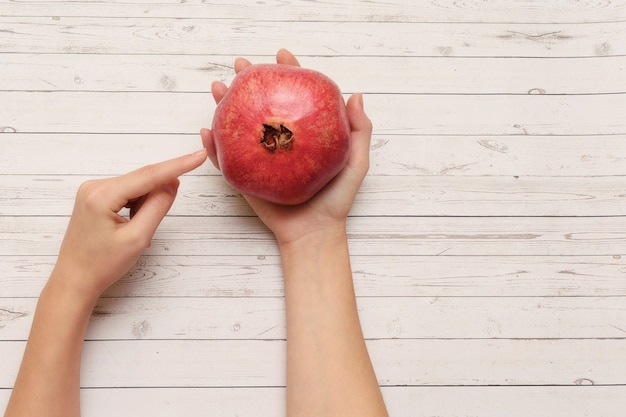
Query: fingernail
{"x": 200, "y": 152}
{"x": 361, "y": 101}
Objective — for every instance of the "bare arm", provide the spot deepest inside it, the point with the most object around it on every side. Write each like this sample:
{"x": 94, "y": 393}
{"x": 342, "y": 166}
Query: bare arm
{"x": 48, "y": 380}
{"x": 329, "y": 372}
{"x": 99, "y": 247}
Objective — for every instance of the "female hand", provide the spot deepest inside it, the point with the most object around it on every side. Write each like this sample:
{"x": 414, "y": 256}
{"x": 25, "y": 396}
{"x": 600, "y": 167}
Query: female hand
{"x": 327, "y": 209}
{"x": 100, "y": 245}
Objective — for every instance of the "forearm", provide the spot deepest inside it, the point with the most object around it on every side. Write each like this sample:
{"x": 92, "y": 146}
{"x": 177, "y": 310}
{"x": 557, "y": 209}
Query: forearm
{"x": 48, "y": 381}
{"x": 329, "y": 372}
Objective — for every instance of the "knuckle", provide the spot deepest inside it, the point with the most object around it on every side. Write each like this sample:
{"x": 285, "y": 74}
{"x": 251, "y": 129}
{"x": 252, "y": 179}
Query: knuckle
{"x": 138, "y": 240}
{"x": 150, "y": 170}
{"x": 143, "y": 242}
{"x": 90, "y": 193}
{"x": 150, "y": 174}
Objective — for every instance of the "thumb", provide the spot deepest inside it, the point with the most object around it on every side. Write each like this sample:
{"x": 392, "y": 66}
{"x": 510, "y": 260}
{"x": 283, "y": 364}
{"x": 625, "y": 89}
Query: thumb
{"x": 155, "y": 206}
{"x": 359, "y": 122}
{"x": 361, "y": 127}
{"x": 209, "y": 145}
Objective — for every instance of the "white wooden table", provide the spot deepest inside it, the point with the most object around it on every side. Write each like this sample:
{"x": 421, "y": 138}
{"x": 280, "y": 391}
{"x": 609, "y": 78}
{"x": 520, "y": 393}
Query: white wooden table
{"x": 488, "y": 240}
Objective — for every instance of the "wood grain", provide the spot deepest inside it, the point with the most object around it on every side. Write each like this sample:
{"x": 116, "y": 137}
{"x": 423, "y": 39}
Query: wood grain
{"x": 433, "y": 75}
{"x": 577, "y": 401}
{"x": 369, "y": 236}
{"x": 379, "y": 196}
{"x": 261, "y": 363}
{"x": 178, "y": 113}
{"x": 487, "y": 241}
{"x": 402, "y": 11}
{"x": 390, "y": 276}
{"x": 394, "y": 155}
{"x": 192, "y": 36}
{"x": 244, "y": 318}
{"x": 493, "y": 401}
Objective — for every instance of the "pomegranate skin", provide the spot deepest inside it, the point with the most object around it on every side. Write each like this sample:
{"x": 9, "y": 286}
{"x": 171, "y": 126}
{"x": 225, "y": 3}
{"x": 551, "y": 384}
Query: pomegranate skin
{"x": 281, "y": 132}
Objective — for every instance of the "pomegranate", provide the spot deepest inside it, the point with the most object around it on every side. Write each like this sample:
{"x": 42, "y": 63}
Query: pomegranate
{"x": 281, "y": 132}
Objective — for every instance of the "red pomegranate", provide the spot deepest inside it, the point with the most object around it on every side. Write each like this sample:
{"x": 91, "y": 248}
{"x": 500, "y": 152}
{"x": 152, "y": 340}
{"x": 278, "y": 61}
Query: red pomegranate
{"x": 281, "y": 132}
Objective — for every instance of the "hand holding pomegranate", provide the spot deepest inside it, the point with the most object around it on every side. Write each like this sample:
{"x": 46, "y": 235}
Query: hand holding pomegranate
{"x": 328, "y": 207}
{"x": 329, "y": 371}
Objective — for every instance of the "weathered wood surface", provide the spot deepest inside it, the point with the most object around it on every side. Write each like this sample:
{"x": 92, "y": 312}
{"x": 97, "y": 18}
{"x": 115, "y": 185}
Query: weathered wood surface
{"x": 390, "y": 276}
{"x": 431, "y": 75}
{"x": 394, "y": 114}
{"x": 411, "y": 155}
{"x": 488, "y": 240}
{"x": 262, "y": 318}
{"x": 499, "y": 11}
{"x": 115, "y": 35}
{"x": 369, "y": 236}
{"x": 380, "y": 196}
{"x": 404, "y": 362}
{"x": 493, "y": 401}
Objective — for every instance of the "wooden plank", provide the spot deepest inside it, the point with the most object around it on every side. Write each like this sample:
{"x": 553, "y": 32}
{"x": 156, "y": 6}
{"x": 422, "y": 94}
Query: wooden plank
{"x": 75, "y": 72}
{"x": 194, "y": 73}
{"x": 369, "y": 236}
{"x": 379, "y": 196}
{"x": 381, "y": 317}
{"x": 241, "y": 402}
{"x": 91, "y": 154}
{"x": 248, "y": 363}
{"x": 577, "y": 401}
{"x": 174, "y": 113}
{"x": 391, "y": 276}
{"x": 485, "y": 155}
{"x": 394, "y": 155}
{"x": 556, "y": 11}
{"x": 468, "y": 123}
{"x": 165, "y": 35}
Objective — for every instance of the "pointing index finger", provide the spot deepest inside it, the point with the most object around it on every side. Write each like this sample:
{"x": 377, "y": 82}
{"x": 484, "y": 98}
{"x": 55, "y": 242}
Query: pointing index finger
{"x": 143, "y": 180}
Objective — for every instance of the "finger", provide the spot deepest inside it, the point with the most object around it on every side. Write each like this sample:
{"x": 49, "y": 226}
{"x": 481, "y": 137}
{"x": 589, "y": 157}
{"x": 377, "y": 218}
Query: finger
{"x": 361, "y": 127}
{"x": 155, "y": 206}
{"x": 218, "y": 90}
{"x": 146, "y": 179}
{"x": 135, "y": 205}
{"x": 285, "y": 57}
{"x": 209, "y": 145}
{"x": 241, "y": 63}
{"x": 359, "y": 122}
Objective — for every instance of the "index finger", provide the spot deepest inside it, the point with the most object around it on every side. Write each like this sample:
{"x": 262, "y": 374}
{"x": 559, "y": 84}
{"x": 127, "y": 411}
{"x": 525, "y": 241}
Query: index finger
{"x": 143, "y": 180}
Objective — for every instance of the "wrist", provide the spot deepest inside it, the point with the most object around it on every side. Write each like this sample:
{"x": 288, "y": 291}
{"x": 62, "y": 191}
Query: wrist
{"x": 67, "y": 289}
{"x": 70, "y": 310}
{"x": 316, "y": 256}
{"x": 323, "y": 237}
